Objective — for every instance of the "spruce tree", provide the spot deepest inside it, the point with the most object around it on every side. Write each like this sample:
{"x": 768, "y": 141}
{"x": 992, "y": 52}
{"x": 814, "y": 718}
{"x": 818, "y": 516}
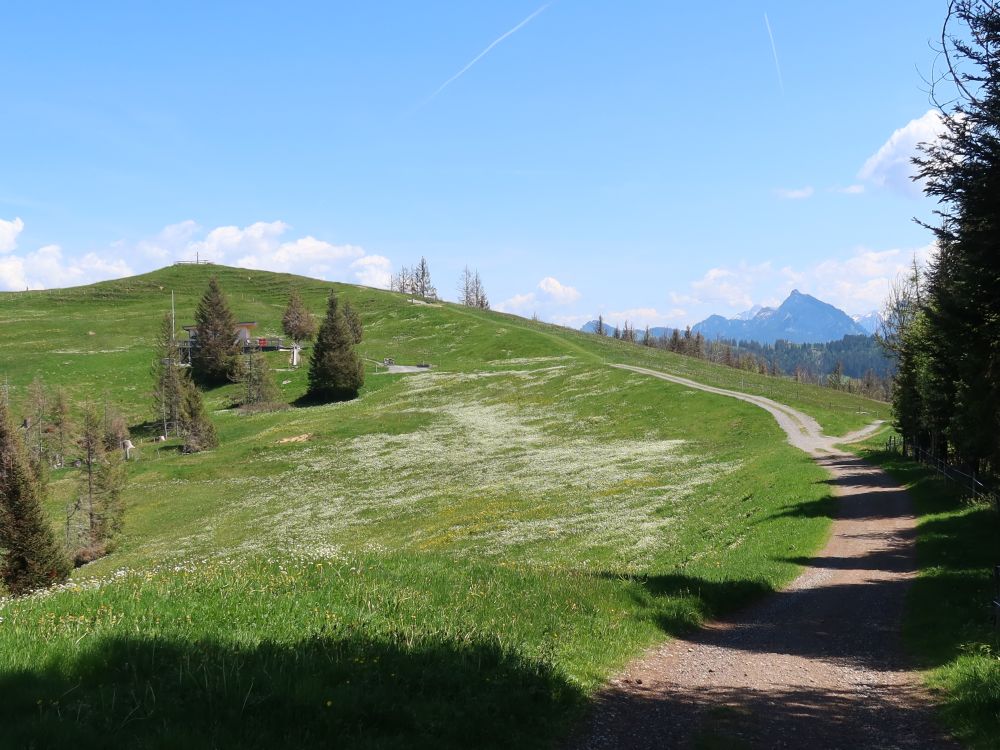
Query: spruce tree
{"x": 215, "y": 359}
{"x": 96, "y": 517}
{"x": 62, "y": 426}
{"x": 297, "y": 322}
{"x": 196, "y": 427}
{"x": 336, "y": 372}
{"x": 168, "y": 377}
{"x": 354, "y": 323}
{"x": 259, "y": 389}
{"x": 30, "y": 557}
{"x": 956, "y": 374}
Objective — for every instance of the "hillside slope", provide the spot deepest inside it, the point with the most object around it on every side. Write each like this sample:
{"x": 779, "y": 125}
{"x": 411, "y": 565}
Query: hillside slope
{"x": 497, "y": 534}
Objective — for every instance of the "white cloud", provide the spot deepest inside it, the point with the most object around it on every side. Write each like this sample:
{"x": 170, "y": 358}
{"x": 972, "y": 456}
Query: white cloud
{"x": 795, "y": 193}
{"x": 8, "y": 234}
{"x": 259, "y": 245}
{"x": 373, "y": 270}
{"x": 518, "y": 304}
{"x": 731, "y": 287}
{"x": 171, "y": 242}
{"x": 570, "y": 321}
{"x": 557, "y": 292}
{"x": 856, "y": 282}
{"x": 640, "y": 317}
{"x": 890, "y": 166}
{"x": 859, "y": 283}
{"x": 223, "y": 243}
{"x": 48, "y": 267}
{"x": 852, "y": 190}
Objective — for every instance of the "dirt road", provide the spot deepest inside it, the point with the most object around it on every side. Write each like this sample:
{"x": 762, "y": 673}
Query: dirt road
{"x": 817, "y": 665}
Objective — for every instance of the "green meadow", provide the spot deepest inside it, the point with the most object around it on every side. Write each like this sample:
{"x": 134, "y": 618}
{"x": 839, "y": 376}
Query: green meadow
{"x": 457, "y": 558}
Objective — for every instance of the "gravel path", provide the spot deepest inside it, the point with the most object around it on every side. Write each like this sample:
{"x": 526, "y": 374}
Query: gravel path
{"x": 816, "y": 665}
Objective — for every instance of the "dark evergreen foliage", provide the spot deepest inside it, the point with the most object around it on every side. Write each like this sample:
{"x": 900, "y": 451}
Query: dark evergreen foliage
{"x": 947, "y": 395}
{"x": 215, "y": 359}
{"x": 297, "y": 322}
{"x": 30, "y": 556}
{"x": 354, "y": 323}
{"x": 196, "y": 427}
{"x": 336, "y": 372}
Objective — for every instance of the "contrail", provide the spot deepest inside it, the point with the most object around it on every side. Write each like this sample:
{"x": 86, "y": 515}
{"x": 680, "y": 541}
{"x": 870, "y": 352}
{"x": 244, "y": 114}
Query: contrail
{"x": 483, "y": 54}
{"x": 777, "y": 65}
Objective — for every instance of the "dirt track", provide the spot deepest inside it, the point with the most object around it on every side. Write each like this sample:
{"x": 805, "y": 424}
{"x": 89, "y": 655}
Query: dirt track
{"x": 818, "y": 664}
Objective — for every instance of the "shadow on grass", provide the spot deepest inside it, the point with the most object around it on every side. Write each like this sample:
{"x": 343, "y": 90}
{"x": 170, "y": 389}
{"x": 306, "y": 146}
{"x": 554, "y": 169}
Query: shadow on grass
{"x": 307, "y": 399}
{"x": 948, "y": 624}
{"x": 680, "y": 604}
{"x": 337, "y": 691}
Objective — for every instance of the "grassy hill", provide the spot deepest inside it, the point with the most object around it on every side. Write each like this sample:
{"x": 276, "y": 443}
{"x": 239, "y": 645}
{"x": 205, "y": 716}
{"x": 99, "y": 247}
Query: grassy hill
{"x": 456, "y": 558}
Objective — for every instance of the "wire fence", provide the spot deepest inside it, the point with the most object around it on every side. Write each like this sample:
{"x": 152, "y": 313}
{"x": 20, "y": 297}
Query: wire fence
{"x": 980, "y": 489}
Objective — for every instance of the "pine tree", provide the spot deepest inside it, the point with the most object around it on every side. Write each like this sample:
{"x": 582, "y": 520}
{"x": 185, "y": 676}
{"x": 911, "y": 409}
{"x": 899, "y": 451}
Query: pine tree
{"x": 354, "y": 323}
{"x": 471, "y": 292}
{"x": 953, "y": 376}
{"x": 836, "y": 378}
{"x": 30, "y": 557}
{"x": 111, "y": 481}
{"x": 35, "y": 423}
{"x": 421, "y": 282}
{"x": 62, "y": 425}
{"x": 168, "y": 377}
{"x": 479, "y": 298}
{"x": 466, "y": 296}
{"x": 87, "y": 505}
{"x": 600, "y": 328}
{"x": 260, "y": 390}
{"x": 196, "y": 427}
{"x": 115, "y": 428}
{"x": 297, "y": 322}
{"x": 675, "y": 341}
{"x": 335, "y": 371}
{"x": 215, "y": 359}
{"x": 96, "y": 516}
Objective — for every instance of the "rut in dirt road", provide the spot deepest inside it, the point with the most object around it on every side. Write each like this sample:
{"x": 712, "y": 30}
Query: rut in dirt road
{"x": 817, "y": 665}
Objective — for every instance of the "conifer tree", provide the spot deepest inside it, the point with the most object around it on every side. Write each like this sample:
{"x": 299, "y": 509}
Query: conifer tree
{"x": 96, "y": 516}
{"x": 62, "y": 425}
{"x": 196, "y": 427}
{"x": 421, "y": 281}
{"x": 168, "y": 377}
{"x": 335, "y": 370}
{"x": 953, "y": 373}
{"x": 354, "y": 323}
{"x": 297, "y": 322}
{"x": 115, "y": 427}
{"x": 30, "y": 557}
{"x": 675, "y": 341}
{"x": 35, "y": 424}
{"x": 260, "y": 390}
{"x": 215, "y": 359}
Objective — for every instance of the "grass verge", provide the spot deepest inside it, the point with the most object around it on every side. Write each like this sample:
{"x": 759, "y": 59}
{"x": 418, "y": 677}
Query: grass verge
{"x": 948, "y": 625}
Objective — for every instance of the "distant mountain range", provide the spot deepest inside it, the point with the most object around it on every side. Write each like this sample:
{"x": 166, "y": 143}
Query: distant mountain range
{"x": 869, "y": 322}
{"x": 800, "y": 319}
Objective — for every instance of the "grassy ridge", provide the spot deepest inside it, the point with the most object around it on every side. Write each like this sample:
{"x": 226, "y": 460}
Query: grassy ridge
{"x": 948, "y": 619}
{"x": 497, "y": 535}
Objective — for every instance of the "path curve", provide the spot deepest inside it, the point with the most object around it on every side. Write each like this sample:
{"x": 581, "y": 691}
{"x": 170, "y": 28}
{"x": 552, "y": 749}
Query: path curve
{"x": 818, "y": 664}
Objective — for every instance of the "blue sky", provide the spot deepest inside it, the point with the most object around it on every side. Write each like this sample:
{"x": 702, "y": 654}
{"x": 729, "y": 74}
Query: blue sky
{"x": 650, "y": 161}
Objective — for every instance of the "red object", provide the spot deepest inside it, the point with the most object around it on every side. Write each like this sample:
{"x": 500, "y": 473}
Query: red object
{"x": 261, "y": 343}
